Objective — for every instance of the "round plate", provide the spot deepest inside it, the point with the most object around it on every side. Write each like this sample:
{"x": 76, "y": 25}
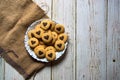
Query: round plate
{"x": 31, "y": 52}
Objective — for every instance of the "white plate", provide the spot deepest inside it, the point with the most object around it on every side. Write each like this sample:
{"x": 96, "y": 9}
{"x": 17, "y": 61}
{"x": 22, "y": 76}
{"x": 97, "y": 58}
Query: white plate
{"x": 31, "y": 52}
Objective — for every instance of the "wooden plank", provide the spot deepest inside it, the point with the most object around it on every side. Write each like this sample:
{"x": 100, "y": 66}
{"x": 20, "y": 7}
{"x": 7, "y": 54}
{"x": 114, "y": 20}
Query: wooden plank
{"x": 91, "y": 40}
{"x": 1, "y": 69}
{"x": 64, "y": 13}
{"x": 113, "y": 40}
{"x": 11, "y": 73}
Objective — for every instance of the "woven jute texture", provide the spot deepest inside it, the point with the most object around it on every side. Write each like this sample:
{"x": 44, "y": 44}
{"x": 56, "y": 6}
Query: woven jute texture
{"x": 15, "y": 17}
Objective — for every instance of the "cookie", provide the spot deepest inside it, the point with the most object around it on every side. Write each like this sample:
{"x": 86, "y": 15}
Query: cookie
{"x": 38, "y": 26}
{"x": 59, "y": 28}
{"x": 50, "y": 55}
{"x": 53, "y": 41}
{"x": 48, "y": 31}
{"x": 52, "y": 25}
{"x": 63, "y": 37}
{"x": 40, "y": 52}
{"x": 46, "y": 37}
{"x": 49, "y": 48}
{"x": 41, "y": 41}
{"x": 38, "y": 33}
{"x": 39, "y": 46}
{"x": 33, "y": 42}
{"x": 31, "y": 33}
{"x": 59, "y": 45}
{"x": 54, "y": 34}
{"x": 45, "y": 24}
{"x": 54, "y": 38}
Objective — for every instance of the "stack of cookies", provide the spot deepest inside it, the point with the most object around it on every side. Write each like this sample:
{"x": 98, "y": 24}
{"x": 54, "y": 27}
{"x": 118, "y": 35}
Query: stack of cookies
{"x": 47, "y": 38}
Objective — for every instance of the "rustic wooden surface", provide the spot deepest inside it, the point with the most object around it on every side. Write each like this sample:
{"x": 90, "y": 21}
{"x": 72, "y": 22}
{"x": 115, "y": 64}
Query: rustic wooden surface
{"x": 94, "y": 42}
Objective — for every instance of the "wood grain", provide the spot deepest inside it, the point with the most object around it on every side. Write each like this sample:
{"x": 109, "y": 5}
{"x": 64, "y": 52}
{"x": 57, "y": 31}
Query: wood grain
{"x": 64, "y": 13}
{"x": 91, "y": 40}
{"x": 93, "y": 52}
{"x": 113, "y": 40}
{"x": 1, "y": 69}
{"x": 11, "y": 73}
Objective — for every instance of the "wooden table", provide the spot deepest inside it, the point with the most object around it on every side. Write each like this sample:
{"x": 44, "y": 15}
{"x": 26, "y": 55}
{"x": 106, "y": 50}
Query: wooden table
{"x": 94, "y": 42}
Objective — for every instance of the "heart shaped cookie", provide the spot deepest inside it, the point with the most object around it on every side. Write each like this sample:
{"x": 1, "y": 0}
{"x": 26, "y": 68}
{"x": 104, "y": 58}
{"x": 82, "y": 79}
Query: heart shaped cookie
{"x": 59, "y": 45}
{"x": 45, "y": 24}
{"x": 63, "y": 37}
{"x": 31, "y": 33}
{"x": 50, "y": 55}
{"x": 40, "y": 52}
{"x": 46, "y": 37}
{"x": 59, "y": 28}
{"x": 33, "y": 42}
{"x": 38, "y": 33}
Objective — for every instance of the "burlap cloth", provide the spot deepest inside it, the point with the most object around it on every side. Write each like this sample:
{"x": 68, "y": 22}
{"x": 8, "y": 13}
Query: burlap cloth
{"x": 15, "y": 17}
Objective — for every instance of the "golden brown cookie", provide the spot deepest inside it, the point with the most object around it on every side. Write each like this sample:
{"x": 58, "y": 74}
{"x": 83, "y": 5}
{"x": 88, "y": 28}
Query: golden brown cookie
{"x": 50, "y": 55}
{"x": 59, "y": 45}
{"x": 38, "y": 33}
{"x": 31, "y": 33}
{"x": 40, "y": 52}
{"x": 48, "y": 31}
{"x": 54, "y": 38}
{"x": 63, "y": 37}
{"x": 41, "y": 41}
{"x": 38, "y": 26}
{"x": 45, "y": 24}
{"x": 52, "y": 25}
{"x": 46, "y": 37}
{"x": 53, "y": 41}
{"x": 49, "y": 48}
{"x": 33, "y": 42}
{"x": 59, "y": 28}
{"x": 55, "y": 35}
{"x": 39, "y": 46}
